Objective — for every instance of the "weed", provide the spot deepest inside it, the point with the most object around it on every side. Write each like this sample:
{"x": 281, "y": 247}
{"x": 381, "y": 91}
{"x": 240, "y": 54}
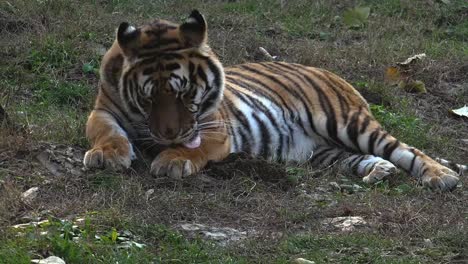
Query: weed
{"x": 406, "y": 127}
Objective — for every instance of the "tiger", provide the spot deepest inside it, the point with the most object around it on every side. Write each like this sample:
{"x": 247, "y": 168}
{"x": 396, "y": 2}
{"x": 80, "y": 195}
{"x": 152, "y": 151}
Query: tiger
{"x": 161, "y": 86}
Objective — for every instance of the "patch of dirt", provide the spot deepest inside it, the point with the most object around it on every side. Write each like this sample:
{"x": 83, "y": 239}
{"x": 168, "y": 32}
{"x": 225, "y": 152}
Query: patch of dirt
{"x": 236, "y": 165}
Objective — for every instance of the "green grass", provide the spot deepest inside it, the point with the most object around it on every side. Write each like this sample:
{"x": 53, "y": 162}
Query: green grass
{"x": 404, "y": 126}
{"x": 352, "y": 248}
{"x": 91, "y": 243}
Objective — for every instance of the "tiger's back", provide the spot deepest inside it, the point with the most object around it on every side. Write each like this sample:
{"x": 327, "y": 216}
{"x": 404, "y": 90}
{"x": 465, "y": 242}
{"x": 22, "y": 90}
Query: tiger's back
{"x": 284, "y": 110}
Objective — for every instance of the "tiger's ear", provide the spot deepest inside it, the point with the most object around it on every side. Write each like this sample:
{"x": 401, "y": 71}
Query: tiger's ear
{"x": 127, "y": 36}
{"x": 194, "y": 30}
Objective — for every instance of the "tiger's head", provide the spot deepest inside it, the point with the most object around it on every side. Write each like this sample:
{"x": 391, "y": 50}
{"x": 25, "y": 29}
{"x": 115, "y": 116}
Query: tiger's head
{"x": 170, "y": 78}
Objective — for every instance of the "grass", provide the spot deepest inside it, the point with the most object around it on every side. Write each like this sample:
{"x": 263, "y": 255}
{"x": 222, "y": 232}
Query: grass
{"x": 92, "y": 242}
{"x": 50, "y": 53}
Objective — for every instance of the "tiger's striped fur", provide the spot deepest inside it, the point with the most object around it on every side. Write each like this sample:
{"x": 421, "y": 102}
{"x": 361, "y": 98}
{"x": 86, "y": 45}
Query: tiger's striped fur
{"x": 162, "y": 86}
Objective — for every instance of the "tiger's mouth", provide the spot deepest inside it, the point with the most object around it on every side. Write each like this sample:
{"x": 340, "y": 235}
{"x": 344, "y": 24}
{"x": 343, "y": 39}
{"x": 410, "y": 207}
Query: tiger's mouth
{"x": 193, "y": 142}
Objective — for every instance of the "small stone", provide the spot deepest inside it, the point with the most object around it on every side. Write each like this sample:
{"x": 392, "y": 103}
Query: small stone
{"x": 358, "y": 188}
{"x": 192, "y": 227}
{"x": 428, "y": 243}
{"x": 215, "y": 235}
{"x": 28, "y": 196}
{"x": 148, "y": 193}
{"x": 49, "y": 260}
{"x": 347, "y": 187}
{"x": 346, "y": 223}
{"x": 335, "y": 186}
{"x": 321, "y": 189}
{"x": 303, "y": 261}
{"x": 222, "y": 235}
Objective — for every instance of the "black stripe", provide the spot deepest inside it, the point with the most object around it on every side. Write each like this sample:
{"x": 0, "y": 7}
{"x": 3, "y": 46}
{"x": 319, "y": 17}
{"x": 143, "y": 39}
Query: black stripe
{"x": 365, "y": 123}
{"x": 355, "y": 164}
{"x": 424, "y": 170}
{"x": 373, "y": 136}
{"x": 217, "y": 72}
{"x": 172, "y": 66}
{"x": 202, "y": 74}
{"x": 265, "y": 137}
{"x": 352, "y": 129}
{"x": 210, "y": 101}
{"x": 389, "y": 148}
{"x": 316, "y": 156}
{"x": 192, "y": 71}
{"x": 382, "y": 137}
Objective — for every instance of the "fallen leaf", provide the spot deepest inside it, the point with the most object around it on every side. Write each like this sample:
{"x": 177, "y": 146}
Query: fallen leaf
{"x": 266, "y": 54}
{"x": 392, "y": 75}
{"x": 412, "y": 59}
{"x": 303, "y": 261}
{"x": 463, "y": 111}
{"x": 356, "y": 17}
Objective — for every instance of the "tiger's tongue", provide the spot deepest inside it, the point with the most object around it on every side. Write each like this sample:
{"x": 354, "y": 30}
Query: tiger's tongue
{"x": 194, "y": 143}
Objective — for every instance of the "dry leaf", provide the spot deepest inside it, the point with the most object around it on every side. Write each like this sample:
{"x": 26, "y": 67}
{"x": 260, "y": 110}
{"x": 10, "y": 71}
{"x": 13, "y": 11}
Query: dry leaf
{"x": 402, "y": 74}
{"x": 460, "y": 111}
{"x": 412, "y": 59}
{"x": 392, "y": 75}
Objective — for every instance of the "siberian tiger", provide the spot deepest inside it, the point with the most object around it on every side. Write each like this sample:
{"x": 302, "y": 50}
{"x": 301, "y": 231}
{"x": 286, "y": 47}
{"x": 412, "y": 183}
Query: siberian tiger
{"x": 162, "y": 85}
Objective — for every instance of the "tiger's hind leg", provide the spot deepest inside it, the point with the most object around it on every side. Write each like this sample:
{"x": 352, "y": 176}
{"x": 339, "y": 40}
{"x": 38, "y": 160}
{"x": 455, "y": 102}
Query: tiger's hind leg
{"x": 365, "y": 135}
{"x": 371, "y": 168}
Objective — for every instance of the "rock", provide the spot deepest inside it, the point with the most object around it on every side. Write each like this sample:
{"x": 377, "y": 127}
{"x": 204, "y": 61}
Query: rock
{"x": 428, "y": 243}
{"x": 303, "y": 261}
{"x": 222, "y": 235}
{"x": 28, "y": 196}
{"x": 346, "y": 223}
{"x": 335, "y": 186}
{"x": 351, "y": 188}
{"x": 44, "y": 159}
{"x": 61, "y": 160}
{"x": 49, "y": 260}
{"x": 148, "y": 194}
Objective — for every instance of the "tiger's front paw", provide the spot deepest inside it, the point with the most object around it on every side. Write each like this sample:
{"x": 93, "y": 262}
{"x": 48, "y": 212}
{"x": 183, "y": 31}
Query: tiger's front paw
{"x": 440, "y": 178}
{"x": 166, "y": 164}
{"x": 115, "y": 155}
